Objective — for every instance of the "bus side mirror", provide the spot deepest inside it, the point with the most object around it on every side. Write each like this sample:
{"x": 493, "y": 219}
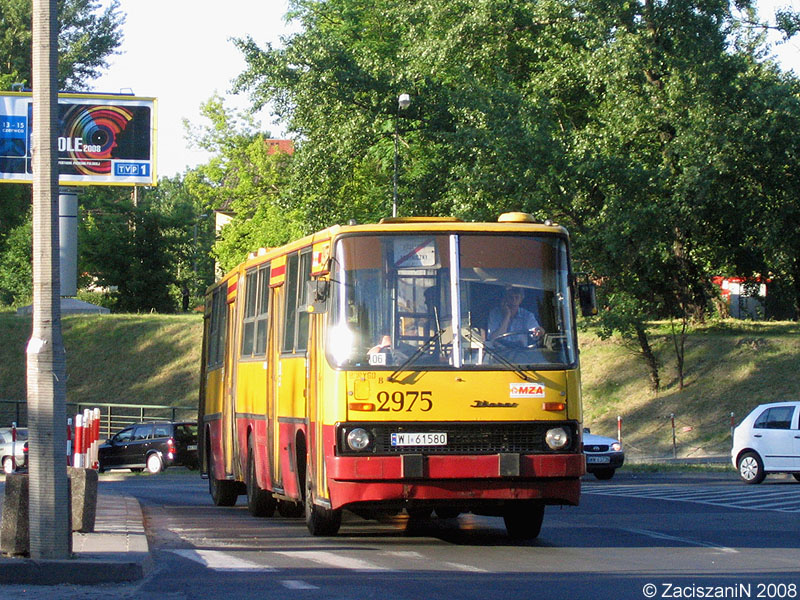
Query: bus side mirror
{"x": 587, "y": 298}
{"x": 317, "y": 296}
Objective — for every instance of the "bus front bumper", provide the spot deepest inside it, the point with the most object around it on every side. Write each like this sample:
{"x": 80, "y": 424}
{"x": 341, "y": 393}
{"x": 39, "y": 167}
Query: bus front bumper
{"x": 551, "y": 478}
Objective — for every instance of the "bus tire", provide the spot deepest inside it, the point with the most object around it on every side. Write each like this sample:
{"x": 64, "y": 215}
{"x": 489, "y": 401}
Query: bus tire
{"x": 260, "y": 503}
{"x": 524, "y": 520}
{"x": 223, "y": 493}
{"x": 320, "y": 521}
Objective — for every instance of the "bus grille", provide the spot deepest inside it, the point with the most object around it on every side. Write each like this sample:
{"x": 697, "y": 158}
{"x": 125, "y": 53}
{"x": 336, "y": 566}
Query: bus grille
{"x": 478, "y": 438}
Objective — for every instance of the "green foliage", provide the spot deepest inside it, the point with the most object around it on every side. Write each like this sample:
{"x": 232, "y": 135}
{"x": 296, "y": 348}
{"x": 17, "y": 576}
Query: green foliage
{"x": 86, "y": 37}
{"x": 132, "y": 250}
{"x": 636, "y": 125}
{"x": 245, "y": 180}
{"x": 16, "y": 273}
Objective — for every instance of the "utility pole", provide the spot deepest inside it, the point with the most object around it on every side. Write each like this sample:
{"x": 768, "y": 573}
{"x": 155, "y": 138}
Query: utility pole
{"x": 50, "y": 531}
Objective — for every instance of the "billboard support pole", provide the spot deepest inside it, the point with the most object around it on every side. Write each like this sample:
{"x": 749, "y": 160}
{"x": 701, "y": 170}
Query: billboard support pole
{"x": 68, "y": 241}
{"x": 50, "y": 532}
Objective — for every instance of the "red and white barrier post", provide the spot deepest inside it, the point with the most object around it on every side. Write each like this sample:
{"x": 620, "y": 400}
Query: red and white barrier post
{"x": 87, "y": 437}
{"x": 77, "y": 460}
{"x": 95, "y": 463}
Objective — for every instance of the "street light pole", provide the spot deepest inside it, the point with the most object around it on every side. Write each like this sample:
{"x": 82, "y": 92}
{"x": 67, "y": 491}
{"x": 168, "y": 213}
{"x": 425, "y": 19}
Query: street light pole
{"x": 403, "y": 102}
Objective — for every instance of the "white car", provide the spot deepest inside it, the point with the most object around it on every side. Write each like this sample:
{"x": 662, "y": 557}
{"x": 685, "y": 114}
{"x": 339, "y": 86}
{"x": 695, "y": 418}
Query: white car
{"x": 604, "y": 455}
{"x": 13, "y": 454}
{"x": 768, "y": 441}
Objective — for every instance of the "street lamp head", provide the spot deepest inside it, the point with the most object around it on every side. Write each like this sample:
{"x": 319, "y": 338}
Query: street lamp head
{"x": 403, "y": 101}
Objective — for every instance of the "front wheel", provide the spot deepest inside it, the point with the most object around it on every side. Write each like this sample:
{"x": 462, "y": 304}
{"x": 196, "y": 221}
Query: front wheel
{"x": 320, "y": 521}
{"x": 524, "y": 520}
{"x": 751, "y": 469}
{"x": 604, "y": 474}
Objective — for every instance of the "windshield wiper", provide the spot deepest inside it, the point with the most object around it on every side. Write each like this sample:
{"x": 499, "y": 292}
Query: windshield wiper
{"x": 499, "y": 357}
{"x": 413, "y": 358}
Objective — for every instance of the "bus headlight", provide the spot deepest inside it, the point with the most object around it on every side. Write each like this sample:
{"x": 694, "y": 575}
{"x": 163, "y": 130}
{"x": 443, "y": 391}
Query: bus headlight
{"x": 557, "y": 438}
{"x": 358, "y": 439}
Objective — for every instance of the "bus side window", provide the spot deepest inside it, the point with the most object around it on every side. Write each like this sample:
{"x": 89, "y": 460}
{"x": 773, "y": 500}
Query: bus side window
{"x": 256, "y": 310}
{"x": 295, "y": 332}
{"x": 217, "y": 327}
{"x": 263, "y": 311}
{"x": 290, "y": 314}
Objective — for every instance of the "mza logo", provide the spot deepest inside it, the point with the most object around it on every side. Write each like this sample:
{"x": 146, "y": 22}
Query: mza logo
{"x": 526, "y": 390}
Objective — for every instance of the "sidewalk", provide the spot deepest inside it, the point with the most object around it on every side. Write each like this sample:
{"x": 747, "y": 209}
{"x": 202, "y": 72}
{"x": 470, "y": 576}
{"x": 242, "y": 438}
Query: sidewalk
{"x": 116, "y": 552}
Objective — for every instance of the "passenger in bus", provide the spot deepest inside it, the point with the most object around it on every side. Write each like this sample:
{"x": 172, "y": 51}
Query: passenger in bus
{"x": 510, "y": 324}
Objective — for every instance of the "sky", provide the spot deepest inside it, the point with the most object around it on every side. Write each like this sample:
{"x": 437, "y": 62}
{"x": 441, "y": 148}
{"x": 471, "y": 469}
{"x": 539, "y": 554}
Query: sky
{"x": 179, "y": 51}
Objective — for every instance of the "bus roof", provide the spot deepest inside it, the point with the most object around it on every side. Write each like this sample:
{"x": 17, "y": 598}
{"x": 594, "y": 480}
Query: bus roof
{"x": 506, "y": 223}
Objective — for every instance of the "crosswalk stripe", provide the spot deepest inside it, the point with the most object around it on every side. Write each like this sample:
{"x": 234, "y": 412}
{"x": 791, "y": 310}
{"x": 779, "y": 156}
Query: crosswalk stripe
{"x": 783, "y": 500}
{"x": 220, "y": 561}
{"x": 332, "y": 559}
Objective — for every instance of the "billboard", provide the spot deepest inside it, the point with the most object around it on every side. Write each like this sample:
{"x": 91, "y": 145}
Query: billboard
{"x": 102, "y": 139}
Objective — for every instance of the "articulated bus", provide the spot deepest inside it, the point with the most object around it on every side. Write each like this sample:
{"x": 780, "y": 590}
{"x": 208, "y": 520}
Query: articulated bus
{"x": 420, "y": 364}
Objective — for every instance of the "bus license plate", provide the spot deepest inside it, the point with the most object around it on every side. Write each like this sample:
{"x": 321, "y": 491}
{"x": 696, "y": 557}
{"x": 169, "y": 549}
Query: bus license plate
{"x": 419, "y": 439}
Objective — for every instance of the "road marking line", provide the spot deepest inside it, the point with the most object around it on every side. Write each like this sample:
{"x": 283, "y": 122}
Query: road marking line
{"x": 331, "y": 559}
{"x": 220, "y": 561}
{"x": 465, "y": 568}
{"x": 672, "y": 538}
{"x": 297, "y": 584}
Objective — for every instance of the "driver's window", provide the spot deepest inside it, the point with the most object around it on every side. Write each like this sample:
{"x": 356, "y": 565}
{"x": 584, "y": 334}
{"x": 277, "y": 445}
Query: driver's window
{"x": 126, "y": 435}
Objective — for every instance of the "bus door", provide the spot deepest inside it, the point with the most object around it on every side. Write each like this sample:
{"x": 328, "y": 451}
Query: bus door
{"x": 229, "y": 386}
{"x": 273, "y": 373}
{"x": 290, "y": 397}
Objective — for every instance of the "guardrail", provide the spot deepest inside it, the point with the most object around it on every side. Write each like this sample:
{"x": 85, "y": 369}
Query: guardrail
{"x": 113, "y": 417}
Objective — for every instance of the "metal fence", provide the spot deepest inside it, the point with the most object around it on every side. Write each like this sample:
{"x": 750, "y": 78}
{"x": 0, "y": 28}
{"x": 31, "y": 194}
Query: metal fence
{"x": 113, "y": 417}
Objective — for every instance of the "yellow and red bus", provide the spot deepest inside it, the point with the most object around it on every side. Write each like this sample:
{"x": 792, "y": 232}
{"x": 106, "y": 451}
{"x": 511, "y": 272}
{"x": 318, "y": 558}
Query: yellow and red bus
{"x": 417, "y": 364}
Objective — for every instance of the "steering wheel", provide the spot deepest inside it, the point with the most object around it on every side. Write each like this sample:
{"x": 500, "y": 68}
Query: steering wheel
{"x": 533, "y": 340}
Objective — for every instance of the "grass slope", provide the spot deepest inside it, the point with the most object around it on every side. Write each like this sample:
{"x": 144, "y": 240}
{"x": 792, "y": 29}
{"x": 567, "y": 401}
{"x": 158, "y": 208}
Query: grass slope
{"x": 731, "y": 366}
{"x": 126, "y": 359}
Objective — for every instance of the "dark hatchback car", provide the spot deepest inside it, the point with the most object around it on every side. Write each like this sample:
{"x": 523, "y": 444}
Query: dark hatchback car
{"x": 151, "y": 446}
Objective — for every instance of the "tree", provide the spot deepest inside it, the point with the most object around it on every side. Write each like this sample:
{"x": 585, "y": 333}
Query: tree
{"x": 245, "y": 179}
{"x": 16, "y": 274}
{"x": 131, "y": 249}
{"x": 622, "y": 121}
{"x": 86, "y": 37}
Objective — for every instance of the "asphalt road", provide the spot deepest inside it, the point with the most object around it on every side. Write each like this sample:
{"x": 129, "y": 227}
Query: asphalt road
{"x": 636, "y": 536}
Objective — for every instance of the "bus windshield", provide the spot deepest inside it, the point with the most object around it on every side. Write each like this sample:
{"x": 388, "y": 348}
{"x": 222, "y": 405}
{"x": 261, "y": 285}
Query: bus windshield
{"x": 398, "y": 299}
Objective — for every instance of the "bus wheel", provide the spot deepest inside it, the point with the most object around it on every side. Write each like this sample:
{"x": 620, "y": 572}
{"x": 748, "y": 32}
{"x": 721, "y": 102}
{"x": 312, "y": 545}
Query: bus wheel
{"x": 524, "y": 520}
{"x": 223, "y": 493}
{"x": 320, "y": 521}
{"x": 260, "y": 503}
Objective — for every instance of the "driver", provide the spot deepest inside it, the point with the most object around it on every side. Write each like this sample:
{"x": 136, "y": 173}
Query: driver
{"x": 512, "y": 323}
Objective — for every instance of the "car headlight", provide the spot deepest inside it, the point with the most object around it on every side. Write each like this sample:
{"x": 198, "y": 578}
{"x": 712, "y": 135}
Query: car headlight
{"x": 358, "y": 439}
{"x": 557, "y": 438}
{"x": 616, "y": 447}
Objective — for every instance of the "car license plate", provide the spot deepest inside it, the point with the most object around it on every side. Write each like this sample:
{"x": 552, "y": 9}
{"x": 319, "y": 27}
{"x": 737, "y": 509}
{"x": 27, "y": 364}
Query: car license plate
{"x": 419, "y": 439}
{"x": 597, "y": 460}
{"x": 191, "y": 447}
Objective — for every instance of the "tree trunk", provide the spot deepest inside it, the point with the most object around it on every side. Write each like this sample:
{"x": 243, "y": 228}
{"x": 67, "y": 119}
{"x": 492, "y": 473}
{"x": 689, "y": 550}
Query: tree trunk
{"x": 649, "y": 357}
{"x": 50, "y": 532}
{"x": 679, "y": 341}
